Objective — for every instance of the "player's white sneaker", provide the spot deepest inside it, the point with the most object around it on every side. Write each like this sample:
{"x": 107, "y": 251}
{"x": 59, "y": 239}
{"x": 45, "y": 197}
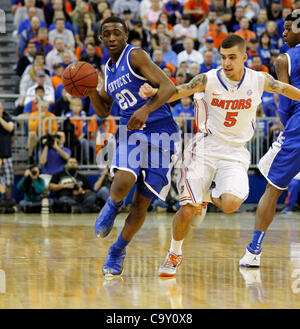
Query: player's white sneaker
{"x": 251, "y": 258}
{"x": 170, "y": 264}
{"x": 199, "y": 217}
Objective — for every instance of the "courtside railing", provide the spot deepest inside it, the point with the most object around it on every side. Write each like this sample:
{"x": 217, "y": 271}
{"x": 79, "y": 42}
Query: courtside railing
{"x": 90, "y": 136}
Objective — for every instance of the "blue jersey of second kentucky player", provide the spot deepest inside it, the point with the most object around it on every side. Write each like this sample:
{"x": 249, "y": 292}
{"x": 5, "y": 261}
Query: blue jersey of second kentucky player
{"x": 122, "y": 83}
{"x": 287, "y": 107}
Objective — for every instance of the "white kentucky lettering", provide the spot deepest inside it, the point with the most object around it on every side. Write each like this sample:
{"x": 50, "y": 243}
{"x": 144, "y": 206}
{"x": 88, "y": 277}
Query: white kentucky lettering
{"x": 121, "y": 81}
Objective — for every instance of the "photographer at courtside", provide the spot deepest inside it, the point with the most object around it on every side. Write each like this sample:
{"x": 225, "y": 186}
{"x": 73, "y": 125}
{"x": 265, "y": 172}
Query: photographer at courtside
{"x": 54, "y": 155}
{"x": 72, "y": 190}
{"x": 33, "y": 187}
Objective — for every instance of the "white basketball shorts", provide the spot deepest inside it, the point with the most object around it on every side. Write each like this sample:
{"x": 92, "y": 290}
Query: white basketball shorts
{"x": 207, "y": 159}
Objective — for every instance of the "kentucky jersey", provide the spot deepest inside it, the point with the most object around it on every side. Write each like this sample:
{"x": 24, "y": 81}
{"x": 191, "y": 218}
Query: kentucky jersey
{"x": 122, "y": 83}
{"x": 229, "y": 106}
{"x": 149, "y": 153}
{"x": 287, "y": 107}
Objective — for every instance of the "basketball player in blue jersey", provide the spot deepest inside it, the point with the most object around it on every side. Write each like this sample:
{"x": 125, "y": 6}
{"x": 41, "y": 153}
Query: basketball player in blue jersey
{"x": 282, "y": 162}
{"x": 126, "y": 70}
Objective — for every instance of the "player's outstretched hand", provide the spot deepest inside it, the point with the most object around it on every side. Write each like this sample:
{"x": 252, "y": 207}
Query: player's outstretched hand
{"x": 137, "y": 119}
{"x": 146, "y": 91}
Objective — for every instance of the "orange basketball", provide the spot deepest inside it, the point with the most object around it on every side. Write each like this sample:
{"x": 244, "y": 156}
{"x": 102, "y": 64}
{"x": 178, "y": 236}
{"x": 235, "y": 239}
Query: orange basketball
{"x": 78, "y": 77}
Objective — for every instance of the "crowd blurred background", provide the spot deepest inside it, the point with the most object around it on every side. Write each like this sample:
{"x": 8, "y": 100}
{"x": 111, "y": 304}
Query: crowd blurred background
{"x": 181, "y": 36}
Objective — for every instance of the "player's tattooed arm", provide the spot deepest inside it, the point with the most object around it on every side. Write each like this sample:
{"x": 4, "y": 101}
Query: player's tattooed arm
{"x": 275, "y": 86}
{"x": 197, "y": 84}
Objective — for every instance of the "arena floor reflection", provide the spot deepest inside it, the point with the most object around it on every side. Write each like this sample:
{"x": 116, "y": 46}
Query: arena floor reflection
{"x": 55, "y": 261}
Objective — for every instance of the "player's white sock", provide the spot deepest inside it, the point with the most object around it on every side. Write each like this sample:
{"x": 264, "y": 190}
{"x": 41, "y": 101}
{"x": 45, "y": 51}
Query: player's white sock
{"x": 176, "y": 246}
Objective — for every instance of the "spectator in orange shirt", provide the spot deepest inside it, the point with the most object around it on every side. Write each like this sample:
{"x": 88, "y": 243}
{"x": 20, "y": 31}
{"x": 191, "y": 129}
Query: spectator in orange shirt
{"x": 218, "y": 35}
{"x": 209, "y": 26}
{"x": 41, "y": 41}
{"x": 58, "y": 73}
{"x": 158, "y": 60}
{"x": 257, "y": 65}
{"x": 252, "y": 51}
{"x": 32, "y": 106}
{"x": 168, "y": 72}
{"x": 101, "y": 134}
{"x": 36, "y": 131}
{"x": 80, "y": 126}
{"x": 81, "y": 49}
{"x": 197, "y": 8}
{"x": 244, "y": 31}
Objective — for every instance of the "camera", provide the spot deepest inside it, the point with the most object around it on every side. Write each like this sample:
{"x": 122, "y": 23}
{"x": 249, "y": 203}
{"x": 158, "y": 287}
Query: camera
{"x": 49, "y": 139}
{"x": 77, "y": 186}
{"x": 33, "y": 171}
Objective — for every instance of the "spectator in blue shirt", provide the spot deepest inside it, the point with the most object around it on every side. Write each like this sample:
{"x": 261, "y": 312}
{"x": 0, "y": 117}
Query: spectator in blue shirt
{"x": 264, "y": 48}
{"x": 30, "y": 33}
{"x": 208, "y": 63}
{"x": 275, "y": 38}
{"x": 60, "y": 14}
{"x": 184, "y": 109}
{"x": 174, "y": 10}
{"x": 280, "y": 21}
{"x": 54, "y": 158}
{"x": 169, "y": 56}
{"x": 259, "y": 26}
{"x": 26, "y": 23}
{"x": 268, "y": 104}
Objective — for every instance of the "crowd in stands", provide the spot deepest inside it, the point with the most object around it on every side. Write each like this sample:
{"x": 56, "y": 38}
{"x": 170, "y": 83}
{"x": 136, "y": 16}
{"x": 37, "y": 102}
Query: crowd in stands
{"x": 181, "y": 36}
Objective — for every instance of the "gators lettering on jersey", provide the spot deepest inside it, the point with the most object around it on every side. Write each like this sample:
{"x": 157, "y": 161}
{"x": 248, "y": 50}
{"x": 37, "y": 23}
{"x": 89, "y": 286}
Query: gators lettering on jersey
{"x": 226, "y": 112}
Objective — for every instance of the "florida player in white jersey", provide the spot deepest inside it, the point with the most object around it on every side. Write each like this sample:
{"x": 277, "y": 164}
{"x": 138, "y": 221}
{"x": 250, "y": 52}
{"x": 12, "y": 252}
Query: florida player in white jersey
{"x": 217, "y": 153}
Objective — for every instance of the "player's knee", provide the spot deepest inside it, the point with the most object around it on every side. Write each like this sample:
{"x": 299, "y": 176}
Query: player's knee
{"x": 121, "y": 186}
{"x": 272, "y": 192}
{"x": 188, "y": 212}
{"x": 119, "y": 192}
{"x": 231, "y": 204}
{"x": 229, "y": 208}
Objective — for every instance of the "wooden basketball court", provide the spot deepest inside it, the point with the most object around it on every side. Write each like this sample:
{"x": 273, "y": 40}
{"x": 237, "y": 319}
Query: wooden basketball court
{"x": 55, "y": 260}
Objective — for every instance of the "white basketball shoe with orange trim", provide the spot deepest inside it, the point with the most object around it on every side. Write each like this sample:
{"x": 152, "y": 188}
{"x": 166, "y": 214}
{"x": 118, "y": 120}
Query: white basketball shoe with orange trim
{"x": 170, "y": 264}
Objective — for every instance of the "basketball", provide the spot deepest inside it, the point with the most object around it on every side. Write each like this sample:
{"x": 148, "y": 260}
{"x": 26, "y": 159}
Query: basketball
{"x": 78, "y": 77}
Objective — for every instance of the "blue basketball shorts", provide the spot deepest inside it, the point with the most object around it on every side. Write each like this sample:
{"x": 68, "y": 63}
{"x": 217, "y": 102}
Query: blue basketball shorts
{"x": 150, "y": 153}
{"x": 282, "y": 161}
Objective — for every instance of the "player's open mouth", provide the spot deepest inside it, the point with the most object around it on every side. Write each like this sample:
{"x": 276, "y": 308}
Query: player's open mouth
{"x": 227, "y": 70}
{"x": 112, "y": 47}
